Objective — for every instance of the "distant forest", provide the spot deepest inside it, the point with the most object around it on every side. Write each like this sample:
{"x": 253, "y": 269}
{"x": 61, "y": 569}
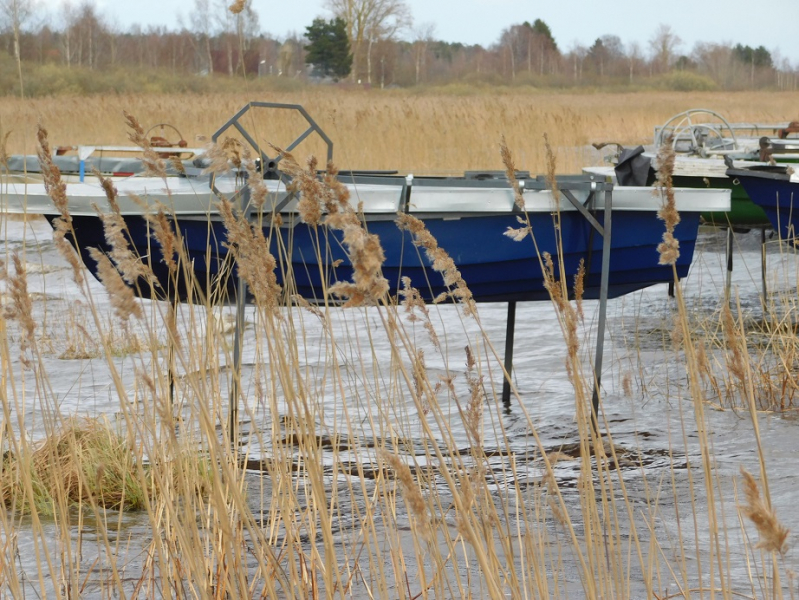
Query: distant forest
{"x": 79, "y": 50}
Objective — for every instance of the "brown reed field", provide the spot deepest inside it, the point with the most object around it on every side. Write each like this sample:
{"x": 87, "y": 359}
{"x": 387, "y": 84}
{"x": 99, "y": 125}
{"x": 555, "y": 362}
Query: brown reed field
{"x": 359, "y": 471}
{"x": 421, "y": 132}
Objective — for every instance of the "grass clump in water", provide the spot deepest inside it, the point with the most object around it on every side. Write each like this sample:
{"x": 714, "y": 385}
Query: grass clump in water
{"x": 83, "y": 463}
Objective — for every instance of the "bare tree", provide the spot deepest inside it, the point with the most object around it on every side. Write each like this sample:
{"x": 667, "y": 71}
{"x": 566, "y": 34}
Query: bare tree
{"x": 383, "y": 18}
{"x": 634, "y": 57}
{"x": 663, "y": 44}
{"x": 15, "y": 14}
{"x": 423, "y": 35}
{"x": 203, "y": 25}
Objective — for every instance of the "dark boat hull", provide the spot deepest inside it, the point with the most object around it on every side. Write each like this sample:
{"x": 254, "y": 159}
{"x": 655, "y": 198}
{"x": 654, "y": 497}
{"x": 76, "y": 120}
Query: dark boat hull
{"x": 495, "y": 267}
{"x": 777, "y": 195}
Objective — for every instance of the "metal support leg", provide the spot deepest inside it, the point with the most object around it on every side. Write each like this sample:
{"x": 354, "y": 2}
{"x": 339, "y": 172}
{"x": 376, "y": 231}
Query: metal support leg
{"x": 727, "y": 287}
{"x": 171, "y": 356}
{"x": 763, "y": 263}
{"x": 603, "y": 306}
{"x": 510, "y": 330}
{"x": 235, "y": 382}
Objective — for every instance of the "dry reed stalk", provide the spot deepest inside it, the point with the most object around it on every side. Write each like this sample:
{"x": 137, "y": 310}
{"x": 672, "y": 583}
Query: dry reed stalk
{"x": 254, "y": 261}
{"x": 773, "y": 535}
{"x": 165, "y": 236}
{"x": 473, "y": 415}
{"x": 410, "y": 491}
{"x": 368, "y": 286}
{"x": 420, "y": 380}
{"x": 223, "y": 154}
{"x": 4, "y": 147}
{"x": 442, "y": 263}
{"x": 551, "y": 169}
{"x": 154, "y": 165}
{"x": 569, "y": 316}
{"x": 519, "y": 233}
{"x": 255, "y": 180}
{"x": 579, "y": 289}
{"x": 736, "y": 362}
{"x": 412, "y": 301}
{"x": 57, "y": 190}
{"x": 121, "y": 295}
{"x": 129, "y": 264}
{"x": 237, "y": 6}
{"x": 669, "y": 248}
{"x": 177, "y": 164}
{"x": 20, "y": 309}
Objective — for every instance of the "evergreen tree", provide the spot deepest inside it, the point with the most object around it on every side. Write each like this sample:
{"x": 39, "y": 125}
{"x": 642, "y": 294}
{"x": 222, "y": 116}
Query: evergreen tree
{"x": 759, "y": 57}
{"x": 328, "y": 48}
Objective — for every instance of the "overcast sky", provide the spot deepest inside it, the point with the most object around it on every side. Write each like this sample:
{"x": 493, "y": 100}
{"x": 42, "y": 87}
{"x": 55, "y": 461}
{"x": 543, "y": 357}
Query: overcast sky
{"x": 771, "y": 23}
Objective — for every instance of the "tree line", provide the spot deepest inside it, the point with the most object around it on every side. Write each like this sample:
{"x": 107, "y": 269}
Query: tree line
{"x": 375, "y": 43}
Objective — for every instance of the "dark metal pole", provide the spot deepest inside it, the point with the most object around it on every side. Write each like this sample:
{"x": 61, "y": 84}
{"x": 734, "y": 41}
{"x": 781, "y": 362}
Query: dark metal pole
{"x": 763, "y": 263}
{"x": 510, "y": 330}
{"x": 730, "y": 240}
{"x": 603, "y": 305}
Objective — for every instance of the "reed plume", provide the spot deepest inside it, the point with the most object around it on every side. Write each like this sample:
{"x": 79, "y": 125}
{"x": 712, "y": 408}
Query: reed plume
{"x": 473, "y": 416}
{"x": 441, "y": 261}
{"x": 516, "y": 234}
{"x": 116, "y": 233}
{"x": 773, "y": 534}
{"x": 330, "y": 196}
{"x": 20, "y": 308}
{"x": 121, "y": 295}
{"x": 410, "y": 490}
{"x": 669, "y": 248}
{"x": 165, "y": 236}
{"x": 154, "y": 165}
{"x": 57, "y": 190}
{"x": 412, "y": 301}
{"x": 254, "y": 261}
{"x": 223, "y": 155}
{"x": 569, "y": 315}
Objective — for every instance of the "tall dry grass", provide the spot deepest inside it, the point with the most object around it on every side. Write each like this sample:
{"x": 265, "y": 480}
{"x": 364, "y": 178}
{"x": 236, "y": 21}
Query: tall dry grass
{"x": 360, "y": 471}
{"x": 407, "y": 131}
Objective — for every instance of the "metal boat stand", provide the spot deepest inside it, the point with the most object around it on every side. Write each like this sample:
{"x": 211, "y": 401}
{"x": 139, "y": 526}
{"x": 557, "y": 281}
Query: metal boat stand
{"x": 729, "y": 254}
{"x": 604, "y": 230}
{"x": 270, "y": 169}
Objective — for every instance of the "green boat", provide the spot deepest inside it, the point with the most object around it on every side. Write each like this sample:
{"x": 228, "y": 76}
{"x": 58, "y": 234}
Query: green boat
{"x": 706, "y": 145}
{"x": 693, "y": 172}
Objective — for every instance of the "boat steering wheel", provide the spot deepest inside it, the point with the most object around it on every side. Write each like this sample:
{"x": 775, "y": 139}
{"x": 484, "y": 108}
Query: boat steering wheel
{"x": 693, "y": 136}
{"x": 161, "y": 140}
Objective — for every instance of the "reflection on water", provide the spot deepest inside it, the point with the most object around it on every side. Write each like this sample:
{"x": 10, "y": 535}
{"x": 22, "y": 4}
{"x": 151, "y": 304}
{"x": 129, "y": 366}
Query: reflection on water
{"x": 645, "y": 405}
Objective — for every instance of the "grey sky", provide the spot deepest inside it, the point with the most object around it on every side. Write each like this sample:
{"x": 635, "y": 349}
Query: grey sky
{"x": 771, "y": 23}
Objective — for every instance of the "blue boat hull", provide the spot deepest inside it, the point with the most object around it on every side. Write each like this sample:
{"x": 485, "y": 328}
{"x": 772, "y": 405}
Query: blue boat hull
{"x": 495, "y": 267}
{"x": 777, "y": 195}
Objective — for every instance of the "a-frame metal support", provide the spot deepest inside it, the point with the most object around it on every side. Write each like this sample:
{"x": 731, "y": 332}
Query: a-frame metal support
{"x": 604, "y": 230}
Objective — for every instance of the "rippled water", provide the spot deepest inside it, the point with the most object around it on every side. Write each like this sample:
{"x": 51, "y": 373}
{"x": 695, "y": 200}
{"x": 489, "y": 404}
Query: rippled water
{"x": 653, "y": 427}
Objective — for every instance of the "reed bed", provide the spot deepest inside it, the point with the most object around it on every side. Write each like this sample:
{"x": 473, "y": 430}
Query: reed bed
{"x": 372, "y": 457}
{"x": 422, "y": 132}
